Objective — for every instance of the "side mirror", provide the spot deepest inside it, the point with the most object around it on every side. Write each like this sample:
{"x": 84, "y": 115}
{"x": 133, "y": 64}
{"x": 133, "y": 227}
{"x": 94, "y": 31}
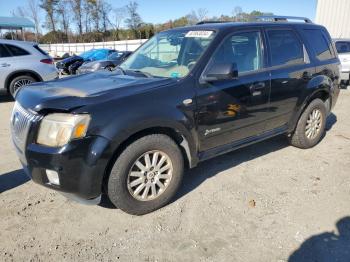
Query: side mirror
{"x": 221, "y": 71}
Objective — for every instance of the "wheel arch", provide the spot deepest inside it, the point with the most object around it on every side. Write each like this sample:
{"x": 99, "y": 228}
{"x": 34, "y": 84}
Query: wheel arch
{"x": 319, "y": 87}
{"x": 184, "y": 141}
{"x": 17, "y": 73}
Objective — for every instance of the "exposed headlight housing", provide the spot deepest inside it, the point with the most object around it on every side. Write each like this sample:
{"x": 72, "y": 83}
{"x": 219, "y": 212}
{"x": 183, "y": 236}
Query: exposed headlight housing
{"x": 58, "y": 129}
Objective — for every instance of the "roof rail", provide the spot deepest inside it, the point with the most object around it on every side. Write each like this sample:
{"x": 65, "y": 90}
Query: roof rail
{"x": 277, "y": 18}
{"x": 211, "y": 22}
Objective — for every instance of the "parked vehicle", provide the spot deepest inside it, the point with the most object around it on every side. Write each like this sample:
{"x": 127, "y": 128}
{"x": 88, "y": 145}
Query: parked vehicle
{"x": 112, "y": 61}
{"x": 187, "y": 95}
{"x": 343, "y": 48}
{"x": 71, "y": 64}
{"x": 22, "y": 63}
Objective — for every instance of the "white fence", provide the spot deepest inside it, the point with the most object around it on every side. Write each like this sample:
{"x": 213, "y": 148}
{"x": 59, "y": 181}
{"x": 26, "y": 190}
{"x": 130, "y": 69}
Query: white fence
{"x": 57, "y": 50}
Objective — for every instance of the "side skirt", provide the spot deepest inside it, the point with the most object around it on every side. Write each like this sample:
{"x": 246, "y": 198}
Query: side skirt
{"x": 241, "y": 143}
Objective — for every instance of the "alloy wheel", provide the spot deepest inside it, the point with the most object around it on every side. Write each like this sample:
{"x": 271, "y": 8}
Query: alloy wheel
{"x": 313, "y": 124}
{"x": 150, "y": 175}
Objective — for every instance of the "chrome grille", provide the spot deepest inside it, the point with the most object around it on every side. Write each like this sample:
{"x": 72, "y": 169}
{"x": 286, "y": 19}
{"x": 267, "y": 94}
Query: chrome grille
{"x": 21, "y": 120}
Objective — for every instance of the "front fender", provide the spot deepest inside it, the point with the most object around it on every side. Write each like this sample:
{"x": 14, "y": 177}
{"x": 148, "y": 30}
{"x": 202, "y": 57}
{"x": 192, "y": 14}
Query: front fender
{"x": 118, "y": 120}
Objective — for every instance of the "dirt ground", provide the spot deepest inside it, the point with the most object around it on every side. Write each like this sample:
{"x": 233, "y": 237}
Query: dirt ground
{"x": 267, "y": 202}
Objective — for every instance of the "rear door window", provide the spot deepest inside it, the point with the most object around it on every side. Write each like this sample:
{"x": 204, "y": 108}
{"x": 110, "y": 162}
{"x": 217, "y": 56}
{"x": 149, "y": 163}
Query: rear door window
{"x": 4, "y": 52}
{"x": 342, "y": 47}
{"x": 16, "y": 51}
{"x": 320, "y": 44}
{"x": 285, "y": 48}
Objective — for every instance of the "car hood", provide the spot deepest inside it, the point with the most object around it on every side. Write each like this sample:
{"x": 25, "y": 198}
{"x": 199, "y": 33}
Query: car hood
{"x": 73, "y": 92}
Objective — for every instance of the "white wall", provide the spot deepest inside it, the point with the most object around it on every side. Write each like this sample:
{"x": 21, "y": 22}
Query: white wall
{"x": 335, "y": 16}
{"x": 57, "y": 50}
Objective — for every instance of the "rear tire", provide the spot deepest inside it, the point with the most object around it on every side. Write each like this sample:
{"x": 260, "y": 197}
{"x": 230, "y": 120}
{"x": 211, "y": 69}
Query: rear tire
{"x": 311, "y": 125}
{"x": 126, "y": 176}
{"x": 19, "y": 82}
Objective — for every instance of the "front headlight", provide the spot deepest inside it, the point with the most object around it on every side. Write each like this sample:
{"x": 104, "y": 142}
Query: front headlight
{"x": 59, "y": 128}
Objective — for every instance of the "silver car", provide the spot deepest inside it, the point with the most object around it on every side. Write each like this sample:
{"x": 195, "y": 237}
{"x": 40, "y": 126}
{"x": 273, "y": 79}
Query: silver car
{"x": 343, "y": 48}
{"x": 22, "y": 63}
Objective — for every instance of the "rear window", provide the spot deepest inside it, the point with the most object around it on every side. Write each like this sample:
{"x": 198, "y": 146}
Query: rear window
{"x": 16, "y": 51}
{"x": 342, "y": 47}
{"x": 285, "y": 47}
{"x": 40, "y": 50}
{"x": 4, "y": 52}
{"x": 320, "y": 44}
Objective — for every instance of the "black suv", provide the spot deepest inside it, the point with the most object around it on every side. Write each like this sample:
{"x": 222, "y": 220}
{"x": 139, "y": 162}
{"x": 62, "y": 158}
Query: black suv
{"x": 186, "y": 95}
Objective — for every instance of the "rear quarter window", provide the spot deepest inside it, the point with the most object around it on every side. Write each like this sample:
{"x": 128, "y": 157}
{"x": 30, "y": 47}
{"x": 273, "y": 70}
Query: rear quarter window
{"x": 320, "y": 43}
{"x": 16, "y": 51}
{"x": 40, "y": 50}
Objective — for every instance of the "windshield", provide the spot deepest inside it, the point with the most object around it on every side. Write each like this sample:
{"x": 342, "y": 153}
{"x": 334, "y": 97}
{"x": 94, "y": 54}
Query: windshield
{"x": 343, "y": 47}
{"x": 170, "y": 54}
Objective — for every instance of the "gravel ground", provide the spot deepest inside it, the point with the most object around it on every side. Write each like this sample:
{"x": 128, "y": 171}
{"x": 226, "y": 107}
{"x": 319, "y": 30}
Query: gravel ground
{"x": 267, "y": 202}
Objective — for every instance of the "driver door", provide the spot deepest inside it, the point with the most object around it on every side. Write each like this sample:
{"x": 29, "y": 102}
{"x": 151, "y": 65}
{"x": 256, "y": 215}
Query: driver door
{"x": 235, "y": 110}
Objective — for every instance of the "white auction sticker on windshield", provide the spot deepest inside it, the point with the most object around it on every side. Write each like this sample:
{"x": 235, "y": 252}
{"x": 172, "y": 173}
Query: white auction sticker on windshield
{"x": 200, "y": 34}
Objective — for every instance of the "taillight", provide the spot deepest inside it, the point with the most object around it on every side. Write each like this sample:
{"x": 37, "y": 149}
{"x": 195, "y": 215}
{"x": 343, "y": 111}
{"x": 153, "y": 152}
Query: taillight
{"x": 47, "y": 61}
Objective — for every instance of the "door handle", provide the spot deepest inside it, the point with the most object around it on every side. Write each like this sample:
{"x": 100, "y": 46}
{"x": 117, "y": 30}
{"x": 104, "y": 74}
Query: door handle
{"x": 257, "y": 87}
{"x": 5, "y": 65}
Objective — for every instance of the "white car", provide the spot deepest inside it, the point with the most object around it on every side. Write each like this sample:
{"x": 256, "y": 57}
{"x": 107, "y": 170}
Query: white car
{"x": 22, "y": 63}
{"x": 343, "y": 48}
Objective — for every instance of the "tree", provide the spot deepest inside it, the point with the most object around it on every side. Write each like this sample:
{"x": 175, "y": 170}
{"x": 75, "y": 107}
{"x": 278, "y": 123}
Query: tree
{"x": 134, "y": 19}
{"x": 64, "y": 14}
{"x": 195, "y": 17}
{"x": 50, "y": 8}
{"x": 192, "y": 18}
{"x": 105, "y": 9}
{"x": 237, "y": 13}
{"x": 87, "y": 16}
{"x": 19, "y": 12}
{"x": 34, "y": 13}
{"x": 182, "y": 21}
{"x": 94, "y": 8}
{"x": 77, "y": 7}
{"x": 202, "y": 14}
{"x": 119, "y": 15}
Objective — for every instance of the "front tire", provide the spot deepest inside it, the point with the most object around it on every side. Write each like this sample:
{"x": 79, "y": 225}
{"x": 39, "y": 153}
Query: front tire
{"x": 146, "y": 175}
{"x": 311, "y": 125}
{"x": 19, "y": 82}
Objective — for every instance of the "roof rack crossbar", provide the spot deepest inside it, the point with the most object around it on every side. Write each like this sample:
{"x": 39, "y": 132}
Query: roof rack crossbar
{"x": 277, "y": 18}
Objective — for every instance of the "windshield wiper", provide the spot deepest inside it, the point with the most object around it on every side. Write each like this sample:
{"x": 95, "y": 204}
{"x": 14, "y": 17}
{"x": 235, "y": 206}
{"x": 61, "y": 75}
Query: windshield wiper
{"x": 148, "y": 75}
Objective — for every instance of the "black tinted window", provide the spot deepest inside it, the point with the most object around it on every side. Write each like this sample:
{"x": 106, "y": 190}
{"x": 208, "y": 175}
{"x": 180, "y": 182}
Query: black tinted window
{"x": 40, "y": 50}
{"x": 16, "y": 51}
{"x": 320, "y": 44}
{"x": 243, "y": 49}
{"x": 342, "y": 47}
{"x": 285, "y": 48}
{"x": 4, "y": 52}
